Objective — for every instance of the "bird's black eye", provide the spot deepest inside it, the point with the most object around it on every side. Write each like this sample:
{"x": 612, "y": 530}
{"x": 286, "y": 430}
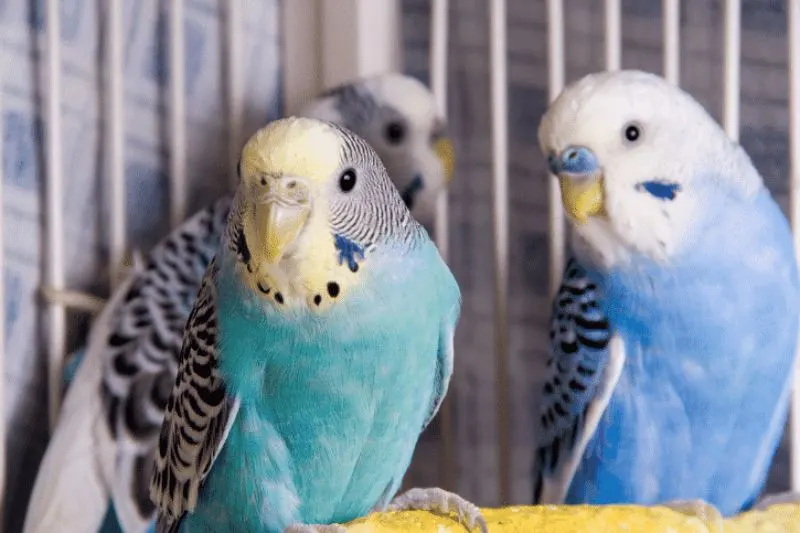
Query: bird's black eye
{"x": 633, "y": 132}
{"x": 347, "y": 180}
{"x": 395, "y": 132}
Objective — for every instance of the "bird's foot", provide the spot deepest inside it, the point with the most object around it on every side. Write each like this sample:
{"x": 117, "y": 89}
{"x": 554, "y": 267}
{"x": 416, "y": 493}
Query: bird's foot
{"x": 706, "y": 512}
{"x": 315, "y": 528}
{"x": 777, "y": 499}
{"x": 439, "y": 501}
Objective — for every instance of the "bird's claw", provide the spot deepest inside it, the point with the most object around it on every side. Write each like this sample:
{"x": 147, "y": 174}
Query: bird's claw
{"x": 697, "y": 509}
{"x": 440, "y": 501}
{"x": 776, "y": 499}
{"x": 315, "y": 528}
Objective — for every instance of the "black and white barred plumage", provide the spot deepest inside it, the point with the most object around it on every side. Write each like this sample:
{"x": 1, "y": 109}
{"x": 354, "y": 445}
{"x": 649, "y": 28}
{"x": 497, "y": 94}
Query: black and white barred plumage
{"x": 137, "y": 351}
{"x": 145, "y": 341}
{"x": 579, "y": 338}
{"x": 198, "y": 410}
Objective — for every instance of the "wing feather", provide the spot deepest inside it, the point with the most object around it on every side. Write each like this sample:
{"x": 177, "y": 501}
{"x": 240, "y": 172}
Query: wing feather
{"x": 583, "y": 368}
{"x": 141, "y": 356}
{"x": 198, "y": 414}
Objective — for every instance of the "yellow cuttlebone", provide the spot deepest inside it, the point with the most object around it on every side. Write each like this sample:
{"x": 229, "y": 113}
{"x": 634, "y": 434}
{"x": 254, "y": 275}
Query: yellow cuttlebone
{"x": 780, "y": 518}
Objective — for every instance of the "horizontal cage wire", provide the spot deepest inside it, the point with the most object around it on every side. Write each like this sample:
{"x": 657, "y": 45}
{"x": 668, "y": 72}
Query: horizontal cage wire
{"x": 60, "y": 297}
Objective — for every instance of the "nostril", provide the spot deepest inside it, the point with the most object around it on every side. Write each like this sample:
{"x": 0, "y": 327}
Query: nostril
{"x": 291, "y": 185}
{"x": 572, "y": 154}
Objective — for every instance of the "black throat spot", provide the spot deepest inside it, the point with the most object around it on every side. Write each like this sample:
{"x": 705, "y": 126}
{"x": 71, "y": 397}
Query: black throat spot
{"x": 243, "y": 250}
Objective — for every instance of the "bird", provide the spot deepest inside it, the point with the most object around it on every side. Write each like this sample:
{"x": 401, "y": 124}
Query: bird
{"x": 673, "y": 331}
{"x": 132, "y": 354}
{"x": 325, "y": 294}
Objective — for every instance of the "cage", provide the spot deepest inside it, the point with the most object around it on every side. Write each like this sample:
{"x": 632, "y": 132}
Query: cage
{"x": 120, "y": 118}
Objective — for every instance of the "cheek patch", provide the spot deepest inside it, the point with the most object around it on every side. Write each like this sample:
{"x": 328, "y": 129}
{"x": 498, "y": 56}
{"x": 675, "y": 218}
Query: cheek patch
{"x": 663, "y": 190}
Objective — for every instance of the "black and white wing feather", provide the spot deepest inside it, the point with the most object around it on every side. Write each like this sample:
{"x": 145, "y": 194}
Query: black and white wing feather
{"x": 583, "y": 368}
{"x": 198, "y": 415}
{"x": 141, "y": 356}
{"x": 108, "y": 430}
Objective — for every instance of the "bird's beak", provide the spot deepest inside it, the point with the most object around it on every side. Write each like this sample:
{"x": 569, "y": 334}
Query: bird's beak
{"x": 443, "y": 148}
{"x": 581, "y": 180}
{"x": 280, "y": 215}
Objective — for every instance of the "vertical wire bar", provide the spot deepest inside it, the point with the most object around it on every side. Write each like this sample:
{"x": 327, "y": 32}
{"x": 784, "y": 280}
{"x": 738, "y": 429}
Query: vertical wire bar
{"x": 794, "y": 159}
{"x": 438, "y": 70}
{"x": 438, "y": 73}
{"x": 2, "y": 323}
{"x": 115, "y": 156}
{"x": 556, "y": 66}
{"x": 177, "y": 114}
{"x": 671, "y": 16}
{"x": 235, "y": 94}
{"x": 54, "y": 202}
{"x": 499, "y": 97}
{"x": 732, "y": 25}
{"x": 613, "y": 34}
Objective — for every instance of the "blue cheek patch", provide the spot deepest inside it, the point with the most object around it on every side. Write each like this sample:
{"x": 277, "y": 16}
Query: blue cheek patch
{"x": 348, "y": 251}
{"x": 663, "y": 190}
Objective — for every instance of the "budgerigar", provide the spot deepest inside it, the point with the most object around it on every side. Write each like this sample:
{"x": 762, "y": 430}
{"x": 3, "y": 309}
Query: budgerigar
{"x": 674, "y": 330}
{"x": 319, "y": 347}
{"x": 108, "y": 426}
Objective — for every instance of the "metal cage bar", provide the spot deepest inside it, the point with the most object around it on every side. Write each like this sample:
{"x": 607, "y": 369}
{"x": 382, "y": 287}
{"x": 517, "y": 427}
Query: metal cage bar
{"x": 732, "y": 52}
{"x": 2, "y": 321}
{"x": 671, "y": 15}
{"x": 438, "y": 75}
{"x": 115, "y": 145}
{"x": 55, "y": 217}
{"x": 794, "y": 188}
{"x": 499, "y": 136}
{"x": 235, "y": 94}
{"x": 177, "y": 113}
{"x": 613, "y": 16}
{"x": 556, "y": 72}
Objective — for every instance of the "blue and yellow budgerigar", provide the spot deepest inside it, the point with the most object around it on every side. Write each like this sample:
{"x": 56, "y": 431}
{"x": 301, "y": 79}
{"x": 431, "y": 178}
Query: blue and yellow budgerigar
{"x": 674, "y": 330}
{"x": 319, "y": 347}
{"x": 99, "y": 461}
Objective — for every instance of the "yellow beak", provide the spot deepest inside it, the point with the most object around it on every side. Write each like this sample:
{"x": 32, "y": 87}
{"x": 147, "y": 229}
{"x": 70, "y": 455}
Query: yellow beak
{"x": 443, "y": 148}
{"x": 583, "y": 198}
{"x": 279, "y": 218}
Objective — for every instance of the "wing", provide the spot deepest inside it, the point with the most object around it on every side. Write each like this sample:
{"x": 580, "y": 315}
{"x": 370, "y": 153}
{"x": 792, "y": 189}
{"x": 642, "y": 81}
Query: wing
{"x": 198, "y": 415}
{"x": 582, "y": 371}
{"x": 141, "y": 356}
{"x": 444, "y": 364}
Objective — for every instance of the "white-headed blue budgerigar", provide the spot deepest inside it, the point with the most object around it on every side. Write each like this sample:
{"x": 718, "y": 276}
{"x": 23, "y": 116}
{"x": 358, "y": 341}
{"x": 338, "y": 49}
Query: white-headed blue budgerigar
{"x": 674, "y": 330}
{"x": 103, "y": 446}
{"x": 319, "y": 346}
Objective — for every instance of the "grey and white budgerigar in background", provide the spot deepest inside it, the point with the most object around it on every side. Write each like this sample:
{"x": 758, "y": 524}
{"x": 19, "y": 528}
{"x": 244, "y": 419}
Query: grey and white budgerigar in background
{"x": 102, "y": 449}
{"x": 674, "y": 330}
{"x": 397, "y": 116}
